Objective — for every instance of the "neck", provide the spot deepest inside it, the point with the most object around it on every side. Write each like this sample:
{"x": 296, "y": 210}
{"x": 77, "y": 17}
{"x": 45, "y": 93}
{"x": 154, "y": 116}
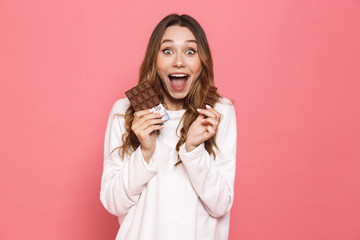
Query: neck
{"x": 173, "y": 104}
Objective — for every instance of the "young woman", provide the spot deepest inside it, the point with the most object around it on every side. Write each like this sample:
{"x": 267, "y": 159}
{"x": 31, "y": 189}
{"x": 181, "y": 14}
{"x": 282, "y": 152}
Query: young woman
{"x": 175, "y": 179}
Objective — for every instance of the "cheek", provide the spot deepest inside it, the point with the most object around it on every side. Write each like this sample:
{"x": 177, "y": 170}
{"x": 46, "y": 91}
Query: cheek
{"x": 160, "y": 69}
{"x": 197, "y": 69}
{"x": 196, "y": 65}
{"x": 161, "y": 64}
{"x": 158, "y": 65}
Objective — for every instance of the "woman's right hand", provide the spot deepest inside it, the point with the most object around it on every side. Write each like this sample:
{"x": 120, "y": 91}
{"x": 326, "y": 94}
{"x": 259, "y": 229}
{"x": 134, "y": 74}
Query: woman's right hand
{"x": 144, "y": 125}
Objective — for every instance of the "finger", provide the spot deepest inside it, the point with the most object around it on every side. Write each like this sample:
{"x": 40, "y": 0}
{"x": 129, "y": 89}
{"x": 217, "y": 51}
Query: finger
{"x": 141, "y": 113}
{"x": 152, "y": 128}
{"x": 139, "y": 121}
{"x": 141, "y": 124}
{"x": 211, "y": 109}
{"x": 150, "y": 122}
{"x": 200, "y": 117}
{"x": 207, "y": 113}
{"x": 211, "y": 121}
{"x": 211, "y": 131}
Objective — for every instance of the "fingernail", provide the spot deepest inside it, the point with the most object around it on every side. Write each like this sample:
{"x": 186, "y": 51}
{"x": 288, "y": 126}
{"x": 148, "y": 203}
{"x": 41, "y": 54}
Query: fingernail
{"x": 203, "y": 120}
{"x": 152, "y": 110}
{"x": 163, "y": 118}
{"x": 162, "y": 114}
{"x": 199, "y": 109}
{"x": 207, "y": 106}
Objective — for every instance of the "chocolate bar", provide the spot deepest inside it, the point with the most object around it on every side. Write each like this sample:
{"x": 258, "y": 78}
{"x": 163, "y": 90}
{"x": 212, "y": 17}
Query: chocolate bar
{"x": 210, "y": 97}
{"x": 142, "y": 96}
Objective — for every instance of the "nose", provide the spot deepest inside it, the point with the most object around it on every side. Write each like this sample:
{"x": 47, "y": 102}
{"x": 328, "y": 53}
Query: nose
{"x": 179, "y": 61}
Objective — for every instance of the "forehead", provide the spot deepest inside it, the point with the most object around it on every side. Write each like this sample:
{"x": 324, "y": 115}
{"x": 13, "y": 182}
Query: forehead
{"x": 178, "y": 33}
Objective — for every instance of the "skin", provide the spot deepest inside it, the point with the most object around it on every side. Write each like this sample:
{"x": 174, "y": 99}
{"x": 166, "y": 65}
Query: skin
{"x": 177, "y": 54}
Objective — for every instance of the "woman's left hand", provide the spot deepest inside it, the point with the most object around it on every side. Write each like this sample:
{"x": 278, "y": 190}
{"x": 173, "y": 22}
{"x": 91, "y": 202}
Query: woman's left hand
{"x": 203, "y": 128}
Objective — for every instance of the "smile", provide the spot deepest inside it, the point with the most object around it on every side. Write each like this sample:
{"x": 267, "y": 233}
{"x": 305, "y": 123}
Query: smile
{"x": 178, "y": 81}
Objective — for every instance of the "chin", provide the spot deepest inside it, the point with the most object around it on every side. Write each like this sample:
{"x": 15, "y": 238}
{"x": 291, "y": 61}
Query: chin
{"x": 178, "y": 96}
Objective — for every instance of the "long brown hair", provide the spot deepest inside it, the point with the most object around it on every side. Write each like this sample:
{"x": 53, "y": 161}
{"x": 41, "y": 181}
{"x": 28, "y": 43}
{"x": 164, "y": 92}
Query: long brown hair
{"x": 196, "y": 94}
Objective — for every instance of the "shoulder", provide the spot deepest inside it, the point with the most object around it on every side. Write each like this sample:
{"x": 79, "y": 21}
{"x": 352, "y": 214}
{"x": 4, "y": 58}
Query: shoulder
{"x": 226, "y": 108}
{"x": 224, "y": 105}
{"x": 120, "y": 106}
{"x": 227, "y": 127}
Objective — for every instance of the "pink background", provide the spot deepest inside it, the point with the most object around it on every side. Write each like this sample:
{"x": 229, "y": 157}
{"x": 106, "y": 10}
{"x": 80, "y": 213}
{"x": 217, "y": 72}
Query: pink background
{"x": 292, "y": 69}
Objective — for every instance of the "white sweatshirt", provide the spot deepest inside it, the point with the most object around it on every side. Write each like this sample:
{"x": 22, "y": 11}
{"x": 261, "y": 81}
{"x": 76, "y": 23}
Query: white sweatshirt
{"x": 158, "y": 201}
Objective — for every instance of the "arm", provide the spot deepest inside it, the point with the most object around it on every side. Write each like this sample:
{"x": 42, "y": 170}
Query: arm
{"x": 214, "y": 180}
{"x": 122, "y": 180}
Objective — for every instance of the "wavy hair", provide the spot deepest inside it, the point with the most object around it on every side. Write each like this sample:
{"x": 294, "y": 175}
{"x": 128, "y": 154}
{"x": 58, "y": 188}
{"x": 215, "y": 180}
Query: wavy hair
{"x": 193, "y": 100}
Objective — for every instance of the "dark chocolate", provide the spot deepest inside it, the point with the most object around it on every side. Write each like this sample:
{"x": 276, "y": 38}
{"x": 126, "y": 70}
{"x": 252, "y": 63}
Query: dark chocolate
{"x": 210, "y": 97}
{"x": 142, "y": 96}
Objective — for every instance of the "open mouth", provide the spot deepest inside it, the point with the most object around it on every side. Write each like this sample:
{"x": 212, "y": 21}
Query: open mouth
{"x": 178, "y": 81}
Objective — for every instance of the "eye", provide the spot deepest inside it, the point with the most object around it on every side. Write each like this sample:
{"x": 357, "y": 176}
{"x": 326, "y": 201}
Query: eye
{"x": 167, "y": 51}
{"x": 190, "y": 52}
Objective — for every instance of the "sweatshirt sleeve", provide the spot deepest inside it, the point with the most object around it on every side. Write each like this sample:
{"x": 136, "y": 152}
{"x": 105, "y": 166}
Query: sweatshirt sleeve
{"x": 212, "y": 180}
{"x": 123, "y": 179}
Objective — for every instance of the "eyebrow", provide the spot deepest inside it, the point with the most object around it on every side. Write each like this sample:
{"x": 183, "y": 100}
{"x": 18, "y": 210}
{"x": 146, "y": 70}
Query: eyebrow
{"x": 169, "y": 40}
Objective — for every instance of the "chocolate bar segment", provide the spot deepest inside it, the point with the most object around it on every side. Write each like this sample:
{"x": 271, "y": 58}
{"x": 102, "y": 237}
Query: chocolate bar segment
{"x": 210, "y": 97}
{"x": 142, "y": 96}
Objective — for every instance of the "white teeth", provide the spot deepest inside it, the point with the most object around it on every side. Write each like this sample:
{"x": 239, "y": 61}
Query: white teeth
{"x": 178, "y": 75}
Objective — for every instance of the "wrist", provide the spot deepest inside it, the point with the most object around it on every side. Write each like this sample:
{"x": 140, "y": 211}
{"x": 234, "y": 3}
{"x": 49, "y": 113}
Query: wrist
{"x": 146, "y": 154}
{"x": 189, "y": 147}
